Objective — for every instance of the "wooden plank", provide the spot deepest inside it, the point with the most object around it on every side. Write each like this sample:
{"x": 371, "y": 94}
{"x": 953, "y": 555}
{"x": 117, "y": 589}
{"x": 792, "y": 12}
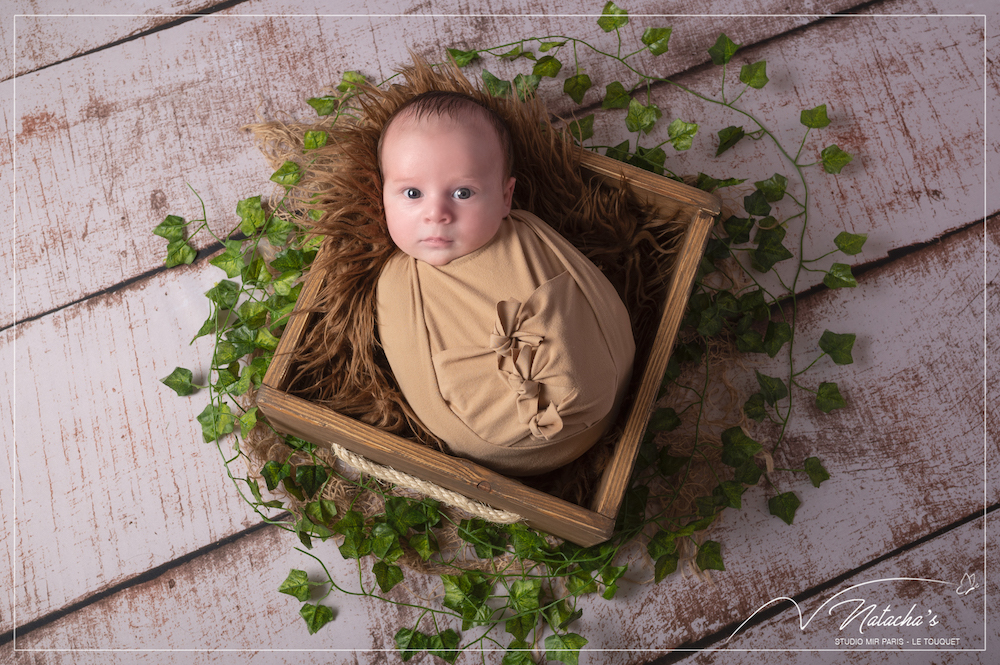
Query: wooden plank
{"x": 937, "y": 590}
{"x": 50, "y": 31}
{"x": 106, "y": 144}
{"x": 909, "y": 456}
{"x": 901, "y": 469}
{"x": 112, "y": 475}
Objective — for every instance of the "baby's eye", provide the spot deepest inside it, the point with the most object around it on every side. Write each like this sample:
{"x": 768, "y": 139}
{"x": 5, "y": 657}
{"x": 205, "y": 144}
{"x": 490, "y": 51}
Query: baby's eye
{"x": 462, "y": 193}
{"x": 411, "y": 193}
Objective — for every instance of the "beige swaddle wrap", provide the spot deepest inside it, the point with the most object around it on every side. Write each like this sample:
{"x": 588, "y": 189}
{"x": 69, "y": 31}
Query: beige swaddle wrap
{"x": 517, "y": 355}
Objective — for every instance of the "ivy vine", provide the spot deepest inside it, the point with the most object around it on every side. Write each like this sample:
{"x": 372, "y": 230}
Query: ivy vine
{"x": 533, "y": 590}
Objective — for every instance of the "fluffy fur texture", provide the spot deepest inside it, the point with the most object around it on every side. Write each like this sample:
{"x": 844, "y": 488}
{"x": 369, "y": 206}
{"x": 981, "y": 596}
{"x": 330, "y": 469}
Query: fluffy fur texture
{"x": 340, "y": 365}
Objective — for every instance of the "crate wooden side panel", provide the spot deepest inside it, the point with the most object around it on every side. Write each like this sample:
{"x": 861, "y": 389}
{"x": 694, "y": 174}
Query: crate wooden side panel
{"x": 325, "y": 426}
{"x": 614, "y": 482}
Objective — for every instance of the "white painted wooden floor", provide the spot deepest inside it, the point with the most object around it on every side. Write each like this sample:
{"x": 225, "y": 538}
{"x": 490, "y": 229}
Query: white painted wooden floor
{"x": 124, "y": 542}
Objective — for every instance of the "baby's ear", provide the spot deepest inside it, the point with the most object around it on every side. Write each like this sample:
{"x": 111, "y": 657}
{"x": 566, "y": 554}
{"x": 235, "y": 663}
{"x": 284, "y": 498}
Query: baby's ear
{"x": 508, "y": 193}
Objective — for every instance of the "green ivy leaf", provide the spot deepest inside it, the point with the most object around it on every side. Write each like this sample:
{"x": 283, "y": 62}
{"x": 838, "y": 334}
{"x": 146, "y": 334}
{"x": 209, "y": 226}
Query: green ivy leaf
{"x": 518, "y": 653}
{"x": 582, "y": 129}
{"x": 729, "y": 137}
{"x": 216, "y": 421}
{"x": 769, "y": 249}
{"x": 565, "y": 648}
{"x": 838, "y": 347}
{"x": 839, "y": 276}
{"x": 737, "y": 447}
{"x": 249, "y": 419}
{"x": 323, "y": 105}
{"x": 424, "y": 544}
{"x": 314, "y": 139}
{"x": 723, "y": 50}
{"x": 732, "y": 492}
{"x": 385, "y": 543}
{"x": 409, "y": 642}
{"x": 351, "y": 80}
{"x": 757, "y": 203}
{"x": 664, "y": 420}
{"x": 273, "y": 473}
{"x": 224, "y": 294}
{"x": 315, "y": 616}
{"x": 496, "y": 87}
{"x": 321, "y": 511}
{"x": 525, "y": 86}
{"x": 577, "y": 86}
{"x": 747, "y": 473}
{"x": 288, "y": 174}
{"x": 641, "y": 117}
{"x": 754, "y": 407}
{"x": 738, "y": 229}
{"x": 484, "y": 536}
{"x": 828, "y": 398}
{"x": 777, "y": 334}
{"x": 814, "y": 118}
{"x": 179, "y": 381}
{"x": 231, "y": 260}
{"x": 749, "y": 341}
{"x": 771, "y": 389}
{"x": 656, "y": 39}
{"x": 663, "y": 543}
{"x": 755, "y": 75}
{"x": 709, "y": 556}
{"x": 709, "y": 184}
{"x": 547, "y": 66}
{"x": 387, "y": 575}
{"x": 444, "y": 645}
{"x": 311, "y": 478}
{"x": 297, "y": 585}
{"x": 462, "y": 58}
{"x": 668, "y": 465}
{"x": 253, "y": 314}
{"x": 649, "y": 159}
{"x": 467, "y": 594}
{"x": 172, "y": 228}
{"x": 612, "y": 17}
{"x": 682, "y": 133}
{"x": 665, "y": 565}
{"x": 784, "y": 506}
{"x": 773, "y": 188}
{"x": 514, "y": 53}
{"x": 179, "y": 252}
{"x": 817, "y": 474}
{"x": 850, "y": 243}
{"x": 615, "y": 96}
{"x": 548, "y": 46}
{"x": 619, "y": 152}
{"x": 834, "y": 159}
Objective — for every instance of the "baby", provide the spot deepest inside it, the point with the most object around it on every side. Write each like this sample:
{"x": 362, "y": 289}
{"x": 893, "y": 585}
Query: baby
{"x": 507, "y": 343}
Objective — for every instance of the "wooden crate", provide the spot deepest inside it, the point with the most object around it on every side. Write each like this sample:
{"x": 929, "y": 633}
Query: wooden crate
{"x": 582, "y": 525}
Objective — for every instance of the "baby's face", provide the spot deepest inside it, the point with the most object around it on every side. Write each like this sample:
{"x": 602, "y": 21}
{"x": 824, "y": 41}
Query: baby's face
{"x": 443, "y": 186}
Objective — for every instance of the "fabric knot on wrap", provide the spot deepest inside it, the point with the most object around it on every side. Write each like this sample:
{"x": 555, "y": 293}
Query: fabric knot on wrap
{"x": 510, "y": 343}
{"x": 516, "y": 356}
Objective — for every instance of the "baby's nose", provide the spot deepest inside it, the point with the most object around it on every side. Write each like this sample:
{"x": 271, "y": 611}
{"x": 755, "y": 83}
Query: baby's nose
{"x": 438, "y": 212}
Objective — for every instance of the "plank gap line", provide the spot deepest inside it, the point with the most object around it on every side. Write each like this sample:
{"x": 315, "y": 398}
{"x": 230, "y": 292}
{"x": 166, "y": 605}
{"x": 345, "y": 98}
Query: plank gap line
{"x": 181, "y": 18}
{"x": 691, "y": 649}
{"x": 147, "y": 576}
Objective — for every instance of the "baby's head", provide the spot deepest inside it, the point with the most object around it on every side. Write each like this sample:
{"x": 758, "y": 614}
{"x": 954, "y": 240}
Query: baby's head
{"x": 446, "y": 163}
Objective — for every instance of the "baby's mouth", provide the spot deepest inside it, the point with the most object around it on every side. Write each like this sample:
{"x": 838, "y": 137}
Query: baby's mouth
{"x": 437, "y": 241}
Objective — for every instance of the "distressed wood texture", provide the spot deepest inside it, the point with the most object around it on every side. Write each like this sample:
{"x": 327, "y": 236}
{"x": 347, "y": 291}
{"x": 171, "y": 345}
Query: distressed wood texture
{"x": 49, "y": 31}
{"x": 112, "y": 478}
{"x": 906, "y": 461}
{"x": 947, "y": 587}
{"x": 103, "y": 160}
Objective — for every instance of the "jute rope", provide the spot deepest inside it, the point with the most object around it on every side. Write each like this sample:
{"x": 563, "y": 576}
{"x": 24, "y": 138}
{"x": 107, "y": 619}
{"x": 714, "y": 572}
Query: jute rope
{"x": 429, "y": 489}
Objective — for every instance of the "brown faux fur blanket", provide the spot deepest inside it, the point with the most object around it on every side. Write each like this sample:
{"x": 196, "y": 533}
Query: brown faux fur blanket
{"x": 340, "y": 364}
